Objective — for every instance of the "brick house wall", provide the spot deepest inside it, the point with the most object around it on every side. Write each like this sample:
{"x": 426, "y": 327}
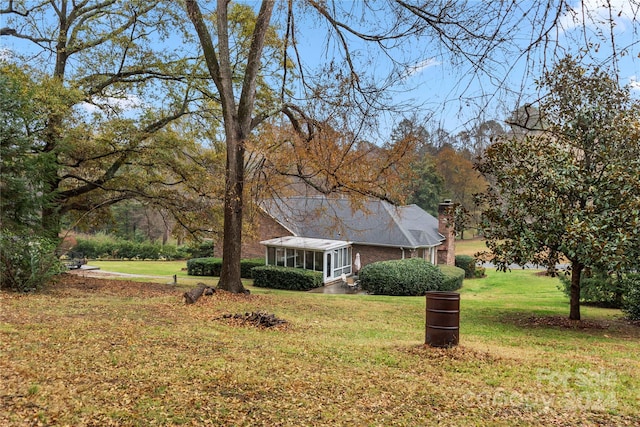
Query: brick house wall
{"x": 369, "y": 254}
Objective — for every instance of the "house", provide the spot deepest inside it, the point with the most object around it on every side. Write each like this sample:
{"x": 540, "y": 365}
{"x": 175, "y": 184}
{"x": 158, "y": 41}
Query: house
{"x": 328, "y": 234}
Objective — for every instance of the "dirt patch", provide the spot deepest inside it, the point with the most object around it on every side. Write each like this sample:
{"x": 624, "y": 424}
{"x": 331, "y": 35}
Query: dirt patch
{"x": 556, "y": 321}
{"x": 259, "y": 320}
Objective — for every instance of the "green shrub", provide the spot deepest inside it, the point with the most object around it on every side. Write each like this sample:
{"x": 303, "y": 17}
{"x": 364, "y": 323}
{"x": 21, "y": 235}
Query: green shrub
{"x": 27, "y": 262}
{"x": 247, "y": 266}
{"x": 453, "y": 277}
{"x": 95, "y": 247}
{"x": 200, "y": 250}
{"x": 104, "y": 246}
{"x": 598, "y": 287}
{"x": 407, "y": 277}
{"x": 468, "y": 264}
{"x": 213, "y": 266}
{"x": 480, "y": 272}
{"x": 293, "y": 279}
{"x": 204, "y": 267}
{"x": 631, "y": 305}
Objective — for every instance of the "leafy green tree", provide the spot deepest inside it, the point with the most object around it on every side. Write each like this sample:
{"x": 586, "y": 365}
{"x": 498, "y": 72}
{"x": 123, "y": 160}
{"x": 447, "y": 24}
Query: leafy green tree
{"x": 97, "y": 69}
{"x": 23, "y": 174}
{"x": 571, "y": 188}
{"x": 426, "y": 186}
{"x": 27, "y": 259}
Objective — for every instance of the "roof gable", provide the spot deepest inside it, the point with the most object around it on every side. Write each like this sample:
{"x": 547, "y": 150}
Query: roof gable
{"x": 374, "y": 223}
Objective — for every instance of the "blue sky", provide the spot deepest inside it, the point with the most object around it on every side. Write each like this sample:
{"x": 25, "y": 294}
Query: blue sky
{"x": 455, "y": 95}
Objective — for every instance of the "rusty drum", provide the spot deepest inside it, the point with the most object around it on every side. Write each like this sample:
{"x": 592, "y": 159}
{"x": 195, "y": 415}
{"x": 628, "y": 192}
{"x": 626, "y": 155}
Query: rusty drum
{"x": 443, "y": 319}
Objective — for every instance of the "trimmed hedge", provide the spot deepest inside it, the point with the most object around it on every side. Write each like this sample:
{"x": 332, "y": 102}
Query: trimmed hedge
{"x": 247, "y": 266}
{"x": 289, "y": 278}
{"x": 204, "y": 267}
{"x": 453, "y": 277}
{"x": 468, "y": 264}
{"x": 407, "y": 277}
{"x": 107, "y": 247}
{"x": 213, "y": 266}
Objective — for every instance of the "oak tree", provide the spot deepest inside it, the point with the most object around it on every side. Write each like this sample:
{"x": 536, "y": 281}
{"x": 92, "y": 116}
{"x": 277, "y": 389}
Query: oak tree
{"x": 111, "y": 88}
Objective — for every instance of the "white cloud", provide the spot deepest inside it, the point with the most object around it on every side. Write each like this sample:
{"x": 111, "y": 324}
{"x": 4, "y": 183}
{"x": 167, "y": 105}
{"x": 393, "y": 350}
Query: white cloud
{"x": 634, "y": 84}
{"x": 595, "y": 13}
{"x": 421, "y": 66}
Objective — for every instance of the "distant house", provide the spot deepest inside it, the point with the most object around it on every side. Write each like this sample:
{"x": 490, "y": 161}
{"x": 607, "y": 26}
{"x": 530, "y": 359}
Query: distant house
{"x": 325, "y": 234}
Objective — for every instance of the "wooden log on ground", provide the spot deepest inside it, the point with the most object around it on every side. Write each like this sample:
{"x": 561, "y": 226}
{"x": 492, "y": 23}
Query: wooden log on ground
{"x": 194, "y": 294}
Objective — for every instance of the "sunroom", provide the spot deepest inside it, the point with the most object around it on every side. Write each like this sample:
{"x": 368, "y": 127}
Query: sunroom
{"x": 331, "y": 257}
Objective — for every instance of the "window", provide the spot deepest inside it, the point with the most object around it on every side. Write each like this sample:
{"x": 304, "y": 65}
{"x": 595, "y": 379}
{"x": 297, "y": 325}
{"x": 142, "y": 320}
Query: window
{"x": 342, "y": 261}
{"x": 318, "y": 261}
{"x": 308, "y": 260}
{"x": 291, "y": 257}
{"x": 271, "y": 256}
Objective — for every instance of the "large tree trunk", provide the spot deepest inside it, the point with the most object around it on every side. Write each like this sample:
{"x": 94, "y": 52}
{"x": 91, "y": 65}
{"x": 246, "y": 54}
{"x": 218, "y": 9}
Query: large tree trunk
{"x": 230, "y": 279}
{"x": 237, "y": 117}
{"x": 576, "y": 273}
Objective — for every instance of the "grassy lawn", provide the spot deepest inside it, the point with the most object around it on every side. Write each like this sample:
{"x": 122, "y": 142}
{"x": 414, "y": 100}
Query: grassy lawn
{"x": 91, "y": 352}
{"x": 149, "y": 268}
{"x": 470, "y": 246}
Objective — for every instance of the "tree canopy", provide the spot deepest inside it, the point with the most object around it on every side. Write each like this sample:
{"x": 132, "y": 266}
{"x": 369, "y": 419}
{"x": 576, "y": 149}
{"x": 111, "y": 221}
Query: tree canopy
{"x": 570, "y": 188}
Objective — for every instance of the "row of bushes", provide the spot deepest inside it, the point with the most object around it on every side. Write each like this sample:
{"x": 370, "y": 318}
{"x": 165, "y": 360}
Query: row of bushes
{"x": 213, "y": 266}
{"x": 409, "y": 277}
{"x": 264, "y": 276}
{"x": 105, "y": 247}
{"x": 399, "y": 277}
{"x": 631, "y": 306}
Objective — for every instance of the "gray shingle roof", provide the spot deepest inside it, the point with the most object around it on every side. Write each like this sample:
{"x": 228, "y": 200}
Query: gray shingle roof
{"x": 375, "y": 222}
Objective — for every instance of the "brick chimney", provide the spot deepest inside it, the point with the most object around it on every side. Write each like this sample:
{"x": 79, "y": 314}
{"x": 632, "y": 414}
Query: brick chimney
{"x": 446, "y": 227}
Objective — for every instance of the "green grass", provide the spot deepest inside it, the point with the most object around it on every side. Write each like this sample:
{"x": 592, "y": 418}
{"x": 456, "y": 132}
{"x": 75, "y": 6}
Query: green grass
{"x": 470, "y": 246}
{"x": 135, "y": 355}
{"x": 149, "y": 268}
